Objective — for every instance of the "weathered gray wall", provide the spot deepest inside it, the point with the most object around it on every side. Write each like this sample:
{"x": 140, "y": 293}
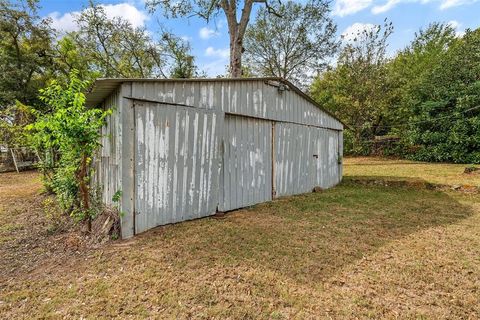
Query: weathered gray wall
{"x": 305, "y": 157}
{"x": 300, "y": 130}
{"x": 252, "y": 98}
{"x": 246, "y": 177}
{"x": 294, "y": 161}
{"x": 177, "y": 163}
{"x": 107, "y": 174}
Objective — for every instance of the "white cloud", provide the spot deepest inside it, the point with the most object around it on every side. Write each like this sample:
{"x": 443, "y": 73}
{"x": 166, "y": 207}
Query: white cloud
{"x": 221, "y": 53}
{"x": 387, "y": 6}
{"x": 446, "y": 4}
{"x": 346, "y": 7}
{"x": 355, "y": 29}
{"x": 458, "y": 27}
{"x": 215, "y": 68}
{"x": 207, "y": 33}
{"x": 454, "y": 24}
{"x": 66, "y": 22}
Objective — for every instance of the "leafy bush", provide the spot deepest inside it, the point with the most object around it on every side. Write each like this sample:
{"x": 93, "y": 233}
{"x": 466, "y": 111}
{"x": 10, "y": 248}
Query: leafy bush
{"x": 71, "y": 131}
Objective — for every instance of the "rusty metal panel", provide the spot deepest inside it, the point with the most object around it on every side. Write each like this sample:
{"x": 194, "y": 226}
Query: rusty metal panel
{"x": 177, "y": 163}
{"x": 246, "y": 177}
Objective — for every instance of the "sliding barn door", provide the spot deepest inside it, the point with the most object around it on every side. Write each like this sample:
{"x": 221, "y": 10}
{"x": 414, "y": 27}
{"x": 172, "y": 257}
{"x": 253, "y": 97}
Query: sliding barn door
{"x": 177, "y": 163}
{"x": 247, "y": 163}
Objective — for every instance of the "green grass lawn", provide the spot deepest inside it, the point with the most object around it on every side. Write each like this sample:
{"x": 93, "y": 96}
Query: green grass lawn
{"x": 437, "y": 173}
{"x": 347, "y": 253}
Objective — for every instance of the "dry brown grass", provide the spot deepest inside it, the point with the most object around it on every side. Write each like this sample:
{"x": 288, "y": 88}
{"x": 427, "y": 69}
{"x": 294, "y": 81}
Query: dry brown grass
{"x": 349, "y": 252}
{"x": 438, "y": 173}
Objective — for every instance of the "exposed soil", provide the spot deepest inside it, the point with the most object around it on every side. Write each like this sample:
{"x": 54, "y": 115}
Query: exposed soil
{"x": 28, "y": 237}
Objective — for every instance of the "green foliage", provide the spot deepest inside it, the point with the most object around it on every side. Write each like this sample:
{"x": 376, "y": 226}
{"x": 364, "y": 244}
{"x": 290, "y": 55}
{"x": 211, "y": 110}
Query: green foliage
{"x": 440, "y": 96}
{"x": 25, "y": 52}
{"x": 428, "y": 95}
{"x": 357, "y": 89}
{"x": 114, "y": 48}
{"x": 13, "y": 120}
{"x": 295, "y": 42}
{"x": 69, "y": 56}
{"x": 117, "y": 196}
{"x": 178, "y": 52}
{"x": 73, "y": 131}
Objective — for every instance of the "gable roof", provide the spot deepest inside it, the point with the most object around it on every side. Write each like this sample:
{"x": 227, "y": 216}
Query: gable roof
{"x": 103, "y": 87}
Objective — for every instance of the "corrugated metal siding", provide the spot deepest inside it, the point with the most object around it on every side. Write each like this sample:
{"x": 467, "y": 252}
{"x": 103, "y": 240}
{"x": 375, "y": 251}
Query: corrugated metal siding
{"x": 294, "y": 161}
{"x": 250, "y": 98}
{"x": 177, "y": 164}
{"x": 305, "y": 157}
{"x": 246, "y": 177}
{"x": 326, "y": 145}
{"x": 340, "y": 154}
{"x": 190, "y": 189}
{"x": 107, "y": 163}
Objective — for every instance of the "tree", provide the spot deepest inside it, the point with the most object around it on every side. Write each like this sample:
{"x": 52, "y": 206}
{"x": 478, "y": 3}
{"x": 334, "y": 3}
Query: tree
{"x": 114, "y": 48}
{"x": 410, "y": 71}
{"x": 293, "y": 45}
{"x": 73, "y": 130}
{"x": 177, "y": 53}
{"x": 69, "y": 57}
{"x": 441, "y": 96}
{"x": 25, "y": 52}
{"x": 208, "y": 9}
{"x": 357, "y": 89}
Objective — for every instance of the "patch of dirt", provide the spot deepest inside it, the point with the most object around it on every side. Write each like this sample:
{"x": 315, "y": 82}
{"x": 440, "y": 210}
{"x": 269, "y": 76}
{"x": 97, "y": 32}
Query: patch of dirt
{"x": 33, "y": 231}
{"x": 472, "y": 170}
{"x": 413, "y": 183}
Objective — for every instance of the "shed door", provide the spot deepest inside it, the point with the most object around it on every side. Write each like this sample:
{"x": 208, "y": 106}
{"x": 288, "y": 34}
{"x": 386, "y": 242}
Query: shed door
{"x": 247, "y": 162}
{"x": 176, "y": 163}
{"x": 295, "y": 159}
{"x": 326, "y": 145}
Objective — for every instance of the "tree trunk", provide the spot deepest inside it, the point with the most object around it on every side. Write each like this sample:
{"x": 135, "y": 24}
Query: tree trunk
{"x": 236, "y": 31}
{"x": 236, "y": 59}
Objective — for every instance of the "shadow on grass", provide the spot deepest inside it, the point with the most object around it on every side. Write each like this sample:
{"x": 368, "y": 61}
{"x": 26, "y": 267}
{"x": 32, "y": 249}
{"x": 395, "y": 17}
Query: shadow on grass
{"x": 254, "y": 261}
{"x": 308, "y": 237}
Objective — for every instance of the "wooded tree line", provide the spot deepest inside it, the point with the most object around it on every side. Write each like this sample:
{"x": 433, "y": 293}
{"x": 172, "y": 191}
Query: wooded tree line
{"x": 425, "y": 95}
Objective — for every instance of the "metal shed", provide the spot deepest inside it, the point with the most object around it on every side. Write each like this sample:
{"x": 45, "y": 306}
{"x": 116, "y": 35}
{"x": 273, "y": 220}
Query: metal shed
{"x": 184, "y": 149}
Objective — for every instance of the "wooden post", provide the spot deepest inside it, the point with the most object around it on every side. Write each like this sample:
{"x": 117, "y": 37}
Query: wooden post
{"x": 14, "y": 160}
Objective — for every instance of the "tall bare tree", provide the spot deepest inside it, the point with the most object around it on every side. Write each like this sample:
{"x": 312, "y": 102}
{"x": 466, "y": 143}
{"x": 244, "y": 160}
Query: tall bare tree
{"x": 208, "y": 9}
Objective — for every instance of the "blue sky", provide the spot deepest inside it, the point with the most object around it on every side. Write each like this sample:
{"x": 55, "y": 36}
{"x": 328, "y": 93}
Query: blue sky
{"x": 210, "y": 42}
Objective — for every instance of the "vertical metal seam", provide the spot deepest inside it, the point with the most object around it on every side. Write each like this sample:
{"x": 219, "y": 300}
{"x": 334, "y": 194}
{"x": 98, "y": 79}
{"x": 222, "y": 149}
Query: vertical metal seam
{"x": 134, "y": 160}
{"x": 274, "y": 191}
